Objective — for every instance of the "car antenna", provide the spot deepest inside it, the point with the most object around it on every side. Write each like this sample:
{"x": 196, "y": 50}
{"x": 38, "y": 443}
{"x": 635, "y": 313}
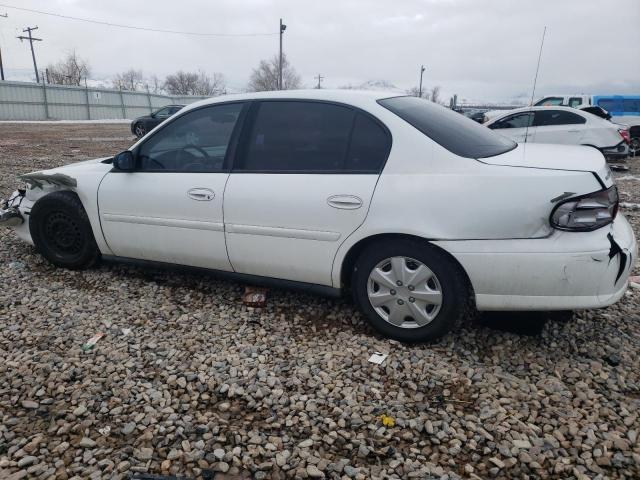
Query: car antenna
{"x": 535, "y": 81}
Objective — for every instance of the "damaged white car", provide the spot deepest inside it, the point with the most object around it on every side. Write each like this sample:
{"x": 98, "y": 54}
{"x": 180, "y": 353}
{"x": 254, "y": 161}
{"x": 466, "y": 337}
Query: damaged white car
{"x": 416, "y": 210}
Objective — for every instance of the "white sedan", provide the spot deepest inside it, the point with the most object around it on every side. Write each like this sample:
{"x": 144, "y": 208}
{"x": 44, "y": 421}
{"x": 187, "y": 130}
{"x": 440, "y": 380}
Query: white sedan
{"x": 416, "y": 210}
{"x": 564, "y": 125}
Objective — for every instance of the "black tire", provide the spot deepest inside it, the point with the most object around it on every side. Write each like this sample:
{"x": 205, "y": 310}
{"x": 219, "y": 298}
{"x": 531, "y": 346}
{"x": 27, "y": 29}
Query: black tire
{"x": 61, "y": 231}
{"x": 139, "y": 130}
{"x": 452, "y": 281}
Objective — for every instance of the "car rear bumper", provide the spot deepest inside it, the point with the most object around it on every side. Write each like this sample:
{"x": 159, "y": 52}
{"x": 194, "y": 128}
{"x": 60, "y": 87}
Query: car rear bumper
{"x": 565, "y": 271}
{"x": 619, "y": 151}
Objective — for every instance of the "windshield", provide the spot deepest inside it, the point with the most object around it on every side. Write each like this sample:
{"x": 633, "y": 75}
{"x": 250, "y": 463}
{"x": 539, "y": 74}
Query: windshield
{"x": 455, "y": 132}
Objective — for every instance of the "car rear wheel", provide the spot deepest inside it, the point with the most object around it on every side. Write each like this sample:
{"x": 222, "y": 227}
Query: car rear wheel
{"x": 140, "y": 130}
{"x": 409, "y": 290}
{"x": 61, "y": 231}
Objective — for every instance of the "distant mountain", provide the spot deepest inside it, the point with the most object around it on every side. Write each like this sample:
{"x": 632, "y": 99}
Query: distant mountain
{"x": 381, "y": 85}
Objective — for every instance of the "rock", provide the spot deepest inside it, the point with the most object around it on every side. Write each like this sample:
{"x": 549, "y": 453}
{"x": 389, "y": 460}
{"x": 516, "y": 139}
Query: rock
{"x": 612, "y": 359}
{"x": 182, "y": 382}
{"x": 174, "y": 454}
{"x": 128, "y": 428}
{"x": 61, "y": 448}
{"x": 19, "y": 475}
{"x": 350, "y": 471}
{"x": 221, "y": 467}
{"x": 313, "y": 472}
{"x": 497, "y": 462}
{"x": 86, "y": 442}
{"x": 522, "y": 443}
{"x": 26, "y": 461}
{"x": 30, "y": 404}
{"x": 224, "y": 406}
{"x": 80, "y": 410}
{"x": 219, "y": 453}
{"x": 306, "y": 443}
{"x": 143, "y": 453}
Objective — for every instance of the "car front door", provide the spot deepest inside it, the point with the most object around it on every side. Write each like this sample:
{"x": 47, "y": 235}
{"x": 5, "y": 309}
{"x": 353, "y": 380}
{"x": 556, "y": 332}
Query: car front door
{"x": 169, "y": 209}
{"x": 302, "y": 183}
{"x": 516, "y": 126}
{"x": 557, "y": 126}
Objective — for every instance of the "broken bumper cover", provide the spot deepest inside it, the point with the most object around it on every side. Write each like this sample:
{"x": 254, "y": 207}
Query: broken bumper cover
{"x": 565, "y": 271}
{"x": 619, "y": 151}
{"x": 10, "y": 215}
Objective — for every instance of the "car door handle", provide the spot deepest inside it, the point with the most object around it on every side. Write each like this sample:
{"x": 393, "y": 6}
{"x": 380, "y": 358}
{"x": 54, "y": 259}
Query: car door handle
{"x": 201, "y": 194}
{"x": 573, "y": 131}
{"x": 345, "y": 202}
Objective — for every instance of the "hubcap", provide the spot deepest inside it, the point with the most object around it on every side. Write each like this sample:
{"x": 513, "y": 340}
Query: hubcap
{"x": 63, "y": 234}
{"x": 139, "y": 130}
{"x": 404, "y": 292}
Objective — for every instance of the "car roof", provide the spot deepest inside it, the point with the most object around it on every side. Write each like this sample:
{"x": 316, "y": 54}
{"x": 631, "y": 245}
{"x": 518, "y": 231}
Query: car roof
{"x": 350, "y": 97}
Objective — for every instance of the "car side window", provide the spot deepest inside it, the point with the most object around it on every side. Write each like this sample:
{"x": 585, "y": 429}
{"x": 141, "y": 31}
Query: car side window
{"x": 547, "y": 118}
{"x": 173, "y": 110}
{"x": 549, "y": 101}
{"x": 194, "y": 142}
{"x": 369, "y": 146}
{"x": 575, "y": 102}
{"x": 163, "y": 112}
{"x": 519, "y": 120}
{"x": 298, "y": 136}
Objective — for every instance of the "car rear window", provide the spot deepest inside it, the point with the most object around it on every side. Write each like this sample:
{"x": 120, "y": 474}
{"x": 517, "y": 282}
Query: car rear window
{"x": 453, "y": 131}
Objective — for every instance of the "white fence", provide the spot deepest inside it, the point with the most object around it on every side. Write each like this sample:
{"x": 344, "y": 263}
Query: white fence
{"x": 38, "y": 101}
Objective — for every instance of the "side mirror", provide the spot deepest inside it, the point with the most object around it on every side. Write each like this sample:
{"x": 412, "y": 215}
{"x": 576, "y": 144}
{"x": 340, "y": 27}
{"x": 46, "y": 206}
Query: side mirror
{"x": 124, "y": 161}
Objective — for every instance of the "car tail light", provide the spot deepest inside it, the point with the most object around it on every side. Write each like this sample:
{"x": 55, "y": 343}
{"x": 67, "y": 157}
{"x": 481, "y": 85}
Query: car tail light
{"x": 586, "y": 212}
{"x": 625, "y": 135}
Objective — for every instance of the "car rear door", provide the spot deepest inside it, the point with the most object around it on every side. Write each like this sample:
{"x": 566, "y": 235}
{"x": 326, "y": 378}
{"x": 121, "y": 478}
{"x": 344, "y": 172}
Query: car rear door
{"x": 557, "y": 126}
{"x": 302, "y": 183}
{"x": 170, "y": 208}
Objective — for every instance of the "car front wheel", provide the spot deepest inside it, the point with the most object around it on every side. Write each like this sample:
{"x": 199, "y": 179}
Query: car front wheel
{"x": 409, "y": 290}
{"x": 140, "y": 130}
{"x": 61, "y": 231}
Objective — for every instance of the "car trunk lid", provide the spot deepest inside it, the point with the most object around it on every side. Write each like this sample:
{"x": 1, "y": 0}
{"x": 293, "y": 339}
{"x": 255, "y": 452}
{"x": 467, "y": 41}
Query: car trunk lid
{"x": 555, "y": 157}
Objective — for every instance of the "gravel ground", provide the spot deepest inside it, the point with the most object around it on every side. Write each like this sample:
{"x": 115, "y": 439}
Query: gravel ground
{"x": 204, "y": 386}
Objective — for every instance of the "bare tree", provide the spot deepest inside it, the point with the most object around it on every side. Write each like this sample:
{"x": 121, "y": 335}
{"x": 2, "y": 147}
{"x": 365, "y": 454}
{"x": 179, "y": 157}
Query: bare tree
{"x": 435, "y": 94}
{"x": 265, "y": 76}
{"x": 195, "y": 83}
{"x": 415, "y": 91}
{"x": 131, "y": 80}
{"x": 69, "y": 71}
{"x": 153, "y": 85}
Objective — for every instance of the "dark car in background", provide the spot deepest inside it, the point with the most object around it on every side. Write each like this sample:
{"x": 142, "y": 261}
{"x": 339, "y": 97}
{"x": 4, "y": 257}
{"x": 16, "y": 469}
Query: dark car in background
{"x": 141, "y": 125}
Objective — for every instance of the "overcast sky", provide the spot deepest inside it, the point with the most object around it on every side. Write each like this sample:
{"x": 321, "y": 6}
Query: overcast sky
{"x": 479, "y": 49}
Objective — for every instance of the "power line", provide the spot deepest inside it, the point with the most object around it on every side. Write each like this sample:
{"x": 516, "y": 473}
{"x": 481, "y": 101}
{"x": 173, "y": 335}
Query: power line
{"x": 132, "y": 27}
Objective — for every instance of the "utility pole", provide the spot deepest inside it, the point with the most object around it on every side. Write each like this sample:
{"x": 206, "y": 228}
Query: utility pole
{"x": 422, "y": 69}
{"x": 1, "y": 67}
{"x": 33, "y": 55}
{"x": 320, "y": 78}
{"x": 282, "y": 29}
